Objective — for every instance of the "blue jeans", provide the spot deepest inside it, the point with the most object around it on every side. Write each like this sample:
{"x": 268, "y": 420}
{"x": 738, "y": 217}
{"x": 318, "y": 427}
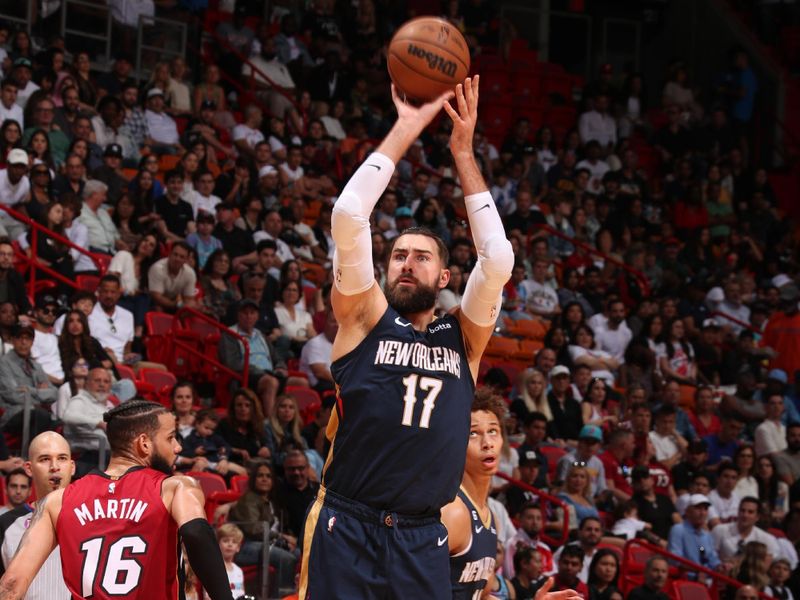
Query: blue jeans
{"x": 283, "y": 560}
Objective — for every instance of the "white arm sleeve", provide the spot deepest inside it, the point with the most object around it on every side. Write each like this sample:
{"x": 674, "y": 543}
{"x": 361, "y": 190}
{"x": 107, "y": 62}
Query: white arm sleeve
{"x": 483, "y": 294}
{"x": 352, "y": 259}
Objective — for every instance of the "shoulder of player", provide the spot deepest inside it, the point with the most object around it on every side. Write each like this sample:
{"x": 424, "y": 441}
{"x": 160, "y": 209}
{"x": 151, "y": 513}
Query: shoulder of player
{"x": 458, "y": 522}
{"x": 174, "y": 482}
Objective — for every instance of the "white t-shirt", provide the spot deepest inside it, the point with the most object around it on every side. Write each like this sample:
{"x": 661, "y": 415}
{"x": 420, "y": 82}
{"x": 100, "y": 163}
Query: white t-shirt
{"x": 292, "y": 174}
{"x": 664, "y": 445}
{"x": 15, "y": 112}
{"x": 235, "y": 578}
{"x": 614, "y": 341}
{"x": 576, "y": 352}
{"x": 113, "y": 331}
{"x": 13, "y": 193}
{"x": 163, "y": 128}
{"x": 45, "y": 352}
{"x": 248, "y": 134}
{"x": 540, "y": 297}
{"x": 205, "y": 203}
{"x": 293, "y": 327}
{"x": 317, "y": 351}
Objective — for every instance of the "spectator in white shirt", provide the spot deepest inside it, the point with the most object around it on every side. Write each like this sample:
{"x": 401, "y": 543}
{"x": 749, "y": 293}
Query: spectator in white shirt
{"x": 15, "y": 188}
{"x": 730, "y": 538}
{"x": 247, "y": 135}
{"x": 541, "y": 298}
{"x": 45, "y": 344}
{"x": 273, "y": 225}
{"x": 315, "y": 358}
{"x": 202, "y": 198}
{"x": 110, "y": 324}
{"x": 598, "y": 125}
{"x": 22, "y": 74}
{"x": 771, "y": 433}
{"x": 732, "y": 306}
{"x": 615, "y": 335}
{"x": 162, "y": 127}
{"x": 9, "y": 109}
{"x": 103, "y": 234}
{"x": 274, "y": 82}
{"x": 595, "y": 165}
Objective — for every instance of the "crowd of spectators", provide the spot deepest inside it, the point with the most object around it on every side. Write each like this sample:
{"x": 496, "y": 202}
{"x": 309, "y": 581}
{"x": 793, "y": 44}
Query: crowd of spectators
{"x": 662, "y": 402}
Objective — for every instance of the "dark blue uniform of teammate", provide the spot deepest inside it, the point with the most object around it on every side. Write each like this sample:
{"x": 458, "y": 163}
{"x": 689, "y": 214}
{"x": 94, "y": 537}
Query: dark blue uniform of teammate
{"x": 471, "y": 569}
{"x": 399, "y": 436}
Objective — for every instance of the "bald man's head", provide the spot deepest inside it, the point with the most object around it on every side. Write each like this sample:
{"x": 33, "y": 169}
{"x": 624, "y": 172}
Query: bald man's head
{"x": 49, "y": 463}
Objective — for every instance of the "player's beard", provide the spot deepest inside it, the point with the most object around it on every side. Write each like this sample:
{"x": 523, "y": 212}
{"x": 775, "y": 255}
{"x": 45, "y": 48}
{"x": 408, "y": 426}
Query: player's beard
{"x": 407, "y": 300}
{"x": 160, "y": 463}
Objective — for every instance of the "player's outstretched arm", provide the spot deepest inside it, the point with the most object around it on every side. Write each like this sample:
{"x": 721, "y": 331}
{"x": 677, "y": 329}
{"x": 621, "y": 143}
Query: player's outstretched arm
{"x": 187, "y": 507}
{"x": 35, "y": 546}
{"x": 480, "y": 304}
{"x": 357, "y": 302}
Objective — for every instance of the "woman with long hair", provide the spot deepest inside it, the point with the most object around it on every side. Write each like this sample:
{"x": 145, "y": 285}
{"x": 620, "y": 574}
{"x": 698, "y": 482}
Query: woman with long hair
{"x": 82, "y": 72}
{"x": 556, "y": 339}
{"x": 183, "y": 401}
{"x": 243, "y": 428}
{"x": 576, "y": 493}
{"x": 296, "y": 324}
{"x": 132, "y": 268}
{"x": 49, "y": 251}
{"x": 39, "y": 148}
{"x": 219, "y": 292}
{"x": 593, "y": 407}
{"x": 751, "y": 567}
{"x": 430, "y": 215}
{"x": 573, "y": 315}
{"x": 126, "y": 219}
{"x": 772, "y": 492}
{"x": 188, "y": 167}
{"x": 703, "y": 416}
{"x": 143, "y": 192}
{"x": 259, "y": 509}
{"x": 74, "y": 381}
{"x": 10, "y": 138}
{"x": 41, "y": 191}
{"x": 677, "y": 360}
{"x": 80, "y": 148}
{"x": 604, "y": 576}
{"x": 744, "y": 458}
{"x": 533, "y": 395}
{"x": 283, "y": 430}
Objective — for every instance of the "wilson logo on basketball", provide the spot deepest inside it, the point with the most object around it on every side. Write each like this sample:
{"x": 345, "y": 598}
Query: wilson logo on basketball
{"x": 447, "y": 67}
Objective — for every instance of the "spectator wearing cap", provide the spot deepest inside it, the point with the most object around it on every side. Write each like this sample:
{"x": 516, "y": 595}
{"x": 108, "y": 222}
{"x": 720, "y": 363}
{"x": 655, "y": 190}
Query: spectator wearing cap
{"x": 590, "y": 442}
{"x": 172, "y": 281}
{"x": 9, "y": 109}
{"x": 203, "y": 240}
{"x": 692, "y": 540}
{"x": 177, "y": 213}
{"x": 114, "y": 82}
{"x": 770, "y": 435}
{"x": 730, "y": 538}
{"x": 45, "y": 349}
{"x": 12, "y": 285}
{"x": 264, "y": 372}
{"x": 531, "y": 525}
{"x": 315, "y": 357}
{"x": 110, "y": 173}
{"x": 43, "y": 119}
{"x": 204, "y": 125}
{"x": 202, "y": 198}
{"x": 103, "y": 234}
{"x": 162, "y": 128}
{"x": 516, "y": 497}
{"x": 22, "y": 74}
{"x": 21, "y": 378}
{"x": 268, "y": 186}
{"x": 695, "y": 463}
{"x": 247, "y": 135}
{"x": 15, "y": 188}
{"x": 780, "y": 333}
{"x": 654, "y": 508}
{"x": 788, "y": 461}
{"x": 567, "y": 419}
{"x": 656, "y": 576}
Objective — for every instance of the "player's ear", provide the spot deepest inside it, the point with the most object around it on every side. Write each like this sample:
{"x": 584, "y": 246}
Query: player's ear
{"x": 444, "y": 278}
{"x": 28, "y": 471}
{"x": 72, "y": 469}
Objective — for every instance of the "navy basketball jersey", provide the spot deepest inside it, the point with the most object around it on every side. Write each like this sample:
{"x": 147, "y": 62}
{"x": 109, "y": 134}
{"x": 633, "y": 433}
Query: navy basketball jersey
{"x": 400, "y": 429}
{"x": 471, "y": 569}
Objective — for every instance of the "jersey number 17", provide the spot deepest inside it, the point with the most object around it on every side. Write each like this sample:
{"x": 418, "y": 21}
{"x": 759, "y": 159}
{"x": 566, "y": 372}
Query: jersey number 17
{"x": 427, "y": 384}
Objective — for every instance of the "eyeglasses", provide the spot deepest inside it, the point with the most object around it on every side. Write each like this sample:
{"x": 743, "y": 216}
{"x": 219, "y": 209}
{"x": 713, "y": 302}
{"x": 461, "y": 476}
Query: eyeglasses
{"x": 113, "y": 327}
{"x": 48, "y": 310}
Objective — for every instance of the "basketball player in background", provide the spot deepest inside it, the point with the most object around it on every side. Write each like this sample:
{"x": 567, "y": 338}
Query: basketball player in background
{"x": 51, "y": 467}
{"x": 118, "y": 529}
{"x": 404, "y": 382}
{"x": 472, "y": 537}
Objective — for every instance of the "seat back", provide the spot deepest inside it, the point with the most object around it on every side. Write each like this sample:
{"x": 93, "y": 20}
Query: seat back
{"x": 303, "y": 395}
{"x": 239, "y": 483}
{"x": 209, "y": 482}
{"x": 157, "y": 378}
{"x": 691, "y": 590}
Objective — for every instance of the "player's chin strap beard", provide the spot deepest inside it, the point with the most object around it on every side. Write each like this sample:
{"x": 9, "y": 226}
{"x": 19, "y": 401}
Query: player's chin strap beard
{"x": 410, "y": 301}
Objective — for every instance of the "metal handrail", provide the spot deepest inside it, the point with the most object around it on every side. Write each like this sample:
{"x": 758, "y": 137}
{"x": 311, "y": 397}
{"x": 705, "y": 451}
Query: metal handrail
{"x": 254, "y": 69}
{"x": 544, "y": 498}
{"x": 688, "y": 565}
{"x": 177, "y": 329}
{"x": 36, "y": 230}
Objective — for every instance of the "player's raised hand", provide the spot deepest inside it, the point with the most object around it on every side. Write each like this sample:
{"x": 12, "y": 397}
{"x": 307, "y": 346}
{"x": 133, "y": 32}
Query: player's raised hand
{"x": 465, "y": 118}
{"x": 544, "y": 593}
{"x": 421, "y": 115}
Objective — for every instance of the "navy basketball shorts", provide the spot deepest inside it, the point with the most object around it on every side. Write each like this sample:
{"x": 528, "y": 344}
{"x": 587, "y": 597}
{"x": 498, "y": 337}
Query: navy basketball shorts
{"x": 352, "y": 551}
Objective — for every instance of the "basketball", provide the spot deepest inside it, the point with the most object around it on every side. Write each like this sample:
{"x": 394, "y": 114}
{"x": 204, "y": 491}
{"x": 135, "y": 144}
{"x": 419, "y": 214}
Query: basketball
{"x": 427, "y": 56}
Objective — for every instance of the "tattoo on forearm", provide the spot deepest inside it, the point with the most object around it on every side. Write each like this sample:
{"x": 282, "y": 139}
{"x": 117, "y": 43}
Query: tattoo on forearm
{"x": 38, "y": 513}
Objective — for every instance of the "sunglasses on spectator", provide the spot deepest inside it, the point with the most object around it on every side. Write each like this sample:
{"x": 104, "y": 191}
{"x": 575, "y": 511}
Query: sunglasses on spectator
{"x": 113, "y": 327}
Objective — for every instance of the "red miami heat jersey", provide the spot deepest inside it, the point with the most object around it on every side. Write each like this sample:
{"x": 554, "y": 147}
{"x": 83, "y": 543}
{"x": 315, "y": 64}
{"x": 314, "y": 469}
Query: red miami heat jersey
{"x": 117, "y": 539}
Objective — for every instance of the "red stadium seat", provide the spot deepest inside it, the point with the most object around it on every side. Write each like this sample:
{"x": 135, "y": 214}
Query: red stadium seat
{"x": 209, "y": 482}
{"x": 159, "y": 380}
{"x": 553, "y": 454}
{"x": 239, "y": 483}
{"x": 125, "y": 372}
{"x": 217, "y": 499}
{"x": 87, "y": 282}
{"x": 691, "y": 590}
{"x": 303, "y": 395}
